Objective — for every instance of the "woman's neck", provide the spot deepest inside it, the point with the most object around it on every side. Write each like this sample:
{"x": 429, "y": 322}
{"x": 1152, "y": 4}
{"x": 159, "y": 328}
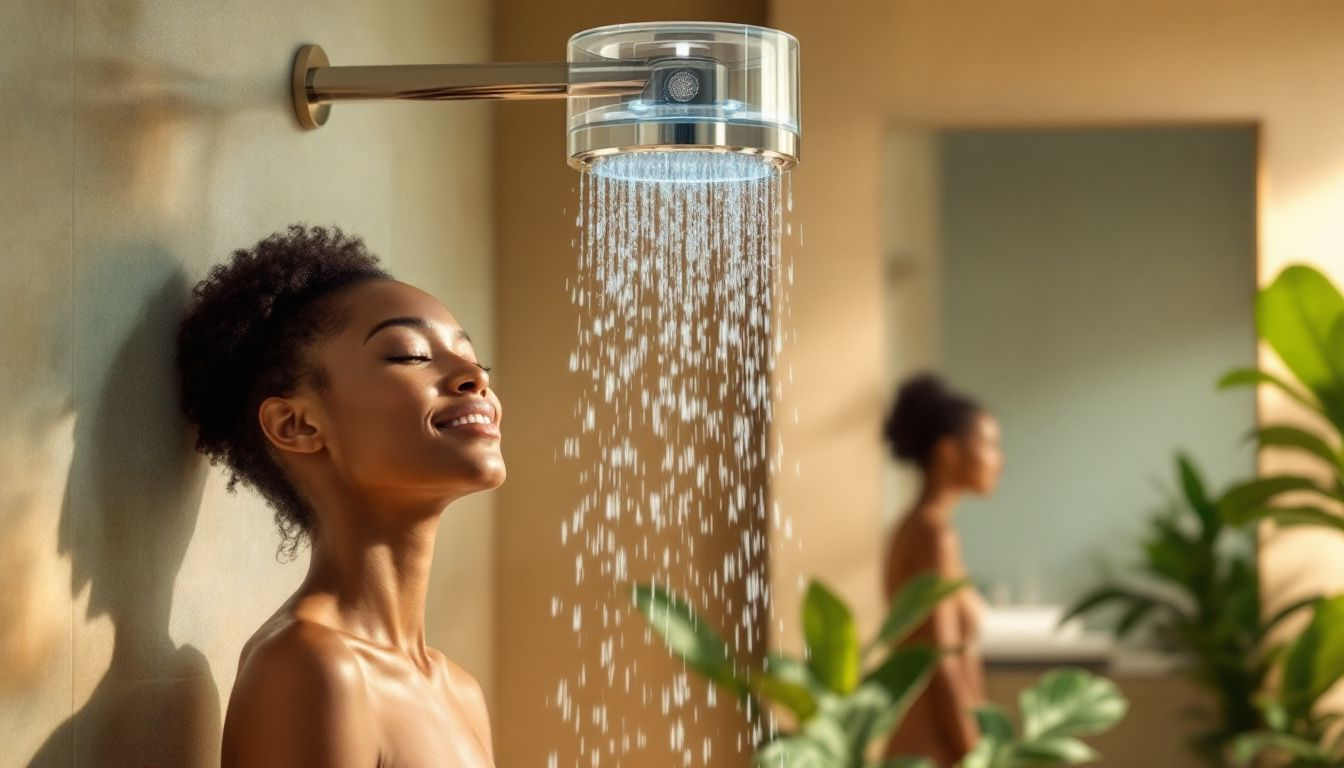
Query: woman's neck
{"x": 376, "y": 578}
{"x": 937, "y": 502}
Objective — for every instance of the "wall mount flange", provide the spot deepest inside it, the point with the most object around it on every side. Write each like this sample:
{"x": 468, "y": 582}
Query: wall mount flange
{"x": 311, "y": 113}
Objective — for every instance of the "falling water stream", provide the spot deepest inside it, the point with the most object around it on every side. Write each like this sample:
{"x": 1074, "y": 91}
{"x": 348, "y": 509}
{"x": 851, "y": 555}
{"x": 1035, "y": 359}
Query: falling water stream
{"x": 679, "y": 296}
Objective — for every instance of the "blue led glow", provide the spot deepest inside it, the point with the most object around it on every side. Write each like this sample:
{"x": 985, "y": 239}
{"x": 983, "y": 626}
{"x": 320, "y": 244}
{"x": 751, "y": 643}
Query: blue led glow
{"x": 683, "y": 167}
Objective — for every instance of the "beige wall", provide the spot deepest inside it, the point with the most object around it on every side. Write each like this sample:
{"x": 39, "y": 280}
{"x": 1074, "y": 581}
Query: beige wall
{"x": 139, "y": 143}
{"x": 912, "y": 274}
{"x": 871, "y": 66}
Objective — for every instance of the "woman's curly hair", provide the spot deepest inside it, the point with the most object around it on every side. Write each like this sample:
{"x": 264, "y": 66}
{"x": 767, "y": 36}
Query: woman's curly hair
{"x": 926, "y": 411}
{"x": 248, "y": 335}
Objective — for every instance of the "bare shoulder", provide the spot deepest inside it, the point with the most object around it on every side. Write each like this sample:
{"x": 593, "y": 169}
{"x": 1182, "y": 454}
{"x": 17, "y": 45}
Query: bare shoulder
{"x": 300, "y": 697}
{"x": 300, "y": 651}
{"x": 922, "y": 545}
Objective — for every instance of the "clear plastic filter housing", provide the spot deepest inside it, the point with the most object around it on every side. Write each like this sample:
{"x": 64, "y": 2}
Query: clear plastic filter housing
{"x": 720, "y": 103}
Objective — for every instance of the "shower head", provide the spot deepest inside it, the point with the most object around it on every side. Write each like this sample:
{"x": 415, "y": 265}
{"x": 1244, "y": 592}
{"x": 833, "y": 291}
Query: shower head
{"x": 711, "y": 88}
{"x": 664, "y": 101}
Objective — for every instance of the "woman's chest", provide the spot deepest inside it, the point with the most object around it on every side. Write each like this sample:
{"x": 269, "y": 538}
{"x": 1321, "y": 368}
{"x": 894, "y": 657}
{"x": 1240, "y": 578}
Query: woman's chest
{"x": 971, "y": 609}
{"x": 421, "y": 725}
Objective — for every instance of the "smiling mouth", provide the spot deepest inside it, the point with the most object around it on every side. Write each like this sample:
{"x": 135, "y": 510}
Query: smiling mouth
{"x": 474, "y": 425}
{"x": 471, "y": 418}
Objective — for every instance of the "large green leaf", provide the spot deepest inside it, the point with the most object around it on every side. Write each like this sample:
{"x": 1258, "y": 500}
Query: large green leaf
{"x": 879, "y": 702}
{"x": 1289, "y": 610}
{"x": 789, "y": 683}
{"x": 1297, "y": 315}
{"x": 830, "y": 733}
{"x": 1052, "y": 751}
{"x": 794, "y": 671}
{"x": 1248, "y": 746}
{"x": 994, "y": 723}
{"x": 1170, "y": 554}
{"x": 858, "y": 714}
{"x": 832, "y": 639}
{"x": 800, "y": 751}
{"x": 1301, "y": 515}
{"x": 687, "y": 636}
{"x": 1315, "y": 660}
{"x": 1336, "y": 745}
{"x": 1241, "y": 499}
{"x": 793, "y": 697}
{"x": 897, "y": 682}
{"x": 1070, "y": 702}
{"x": 1276, "y": 717}
{"x": 909, "y": 761}
{"x": 985, "y": 754}
{"x": 1284, "y": 436}
{"x": 1243, "y": 377}
{"x": 1235, "y": 601}
{"x": 1101, "y": 597}
{"x": 1193, "y": 487}
{"x": 913, "y": 604}
{"x": 1063, "y": 704}
{"x": 1132, "y": 618}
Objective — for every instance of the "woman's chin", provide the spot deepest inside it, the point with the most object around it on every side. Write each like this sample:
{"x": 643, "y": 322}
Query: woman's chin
{"x": 463, "y": 475}
{"x": 487, "y": 471}
{"x": 494, "y": 475}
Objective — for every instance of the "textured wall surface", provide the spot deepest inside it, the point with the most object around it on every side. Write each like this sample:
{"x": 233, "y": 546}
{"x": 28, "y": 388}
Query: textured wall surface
{"x": 139, "y": 143}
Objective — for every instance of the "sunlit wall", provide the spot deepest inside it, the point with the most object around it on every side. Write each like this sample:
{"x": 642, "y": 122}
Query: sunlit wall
{"x": 139, "y": 143}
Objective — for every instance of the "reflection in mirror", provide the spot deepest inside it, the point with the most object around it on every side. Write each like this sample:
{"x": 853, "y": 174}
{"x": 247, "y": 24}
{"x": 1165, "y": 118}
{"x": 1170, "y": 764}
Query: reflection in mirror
{"x": 1088, "y": 286}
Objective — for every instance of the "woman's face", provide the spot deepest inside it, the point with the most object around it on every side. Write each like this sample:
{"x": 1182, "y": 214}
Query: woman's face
{"x": 981, "y": 455}
{"x": 408, "y": 409}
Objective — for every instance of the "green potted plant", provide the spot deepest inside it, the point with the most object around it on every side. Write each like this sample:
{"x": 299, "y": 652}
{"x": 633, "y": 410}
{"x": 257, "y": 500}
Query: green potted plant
{"x": 1296, "y": 733}
{"x": 845, "y": 698}
{"x": 1301, "y": 316}
{"x": 1197, "y": 589}
{"x": 1066, "y": 703}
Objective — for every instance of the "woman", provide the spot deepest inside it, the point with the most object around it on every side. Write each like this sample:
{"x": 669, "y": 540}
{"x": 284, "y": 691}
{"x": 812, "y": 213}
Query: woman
{"x": 955, "y": 445}
{"x": 356, "y": 406}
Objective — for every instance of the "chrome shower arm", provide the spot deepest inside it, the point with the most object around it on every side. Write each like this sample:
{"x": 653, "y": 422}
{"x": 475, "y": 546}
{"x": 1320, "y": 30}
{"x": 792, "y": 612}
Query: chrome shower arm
{"x": 316, "y": 84}
{"x": 435, "y": 82}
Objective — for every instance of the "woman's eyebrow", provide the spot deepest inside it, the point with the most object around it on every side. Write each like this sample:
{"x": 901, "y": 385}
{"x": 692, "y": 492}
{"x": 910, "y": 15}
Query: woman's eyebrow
{"x": 412, "y": 322}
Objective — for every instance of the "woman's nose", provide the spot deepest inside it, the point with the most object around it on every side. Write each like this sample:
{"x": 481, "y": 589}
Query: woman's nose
{"x": 470, "y": 378}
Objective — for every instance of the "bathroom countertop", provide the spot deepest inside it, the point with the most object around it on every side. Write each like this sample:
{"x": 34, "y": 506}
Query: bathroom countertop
{"x": 1096, "y": 652}
{"x": 1031, "y": 637}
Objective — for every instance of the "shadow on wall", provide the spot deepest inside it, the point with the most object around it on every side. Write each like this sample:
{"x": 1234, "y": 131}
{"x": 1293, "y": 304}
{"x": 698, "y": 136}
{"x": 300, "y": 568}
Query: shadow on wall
{"x": 130, "y": 509}
{"x": 145, "y": 137}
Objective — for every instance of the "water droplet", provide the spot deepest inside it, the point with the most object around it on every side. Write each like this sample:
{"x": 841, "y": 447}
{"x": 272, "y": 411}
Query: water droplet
{"x": 682, "y": 308}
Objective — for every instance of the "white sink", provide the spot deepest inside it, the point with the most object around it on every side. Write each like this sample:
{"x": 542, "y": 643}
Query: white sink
{"x": 1022, "y": 622}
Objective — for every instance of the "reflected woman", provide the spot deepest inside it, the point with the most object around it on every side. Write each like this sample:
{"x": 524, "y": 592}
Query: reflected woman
{"x": 355, "y": 405}
{"x": 954, "y": 443}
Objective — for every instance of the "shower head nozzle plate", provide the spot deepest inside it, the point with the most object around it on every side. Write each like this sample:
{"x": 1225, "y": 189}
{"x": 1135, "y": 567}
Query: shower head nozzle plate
{"x": 777, "y": 146}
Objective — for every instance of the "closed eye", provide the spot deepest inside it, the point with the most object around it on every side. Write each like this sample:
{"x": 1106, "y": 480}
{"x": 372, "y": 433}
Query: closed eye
{"x": 425, "y": 359}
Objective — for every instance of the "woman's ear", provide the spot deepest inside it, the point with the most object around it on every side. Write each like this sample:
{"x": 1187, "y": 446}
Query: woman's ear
{"x": 947, "y": 455}
{"x": 287, "y": 425}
